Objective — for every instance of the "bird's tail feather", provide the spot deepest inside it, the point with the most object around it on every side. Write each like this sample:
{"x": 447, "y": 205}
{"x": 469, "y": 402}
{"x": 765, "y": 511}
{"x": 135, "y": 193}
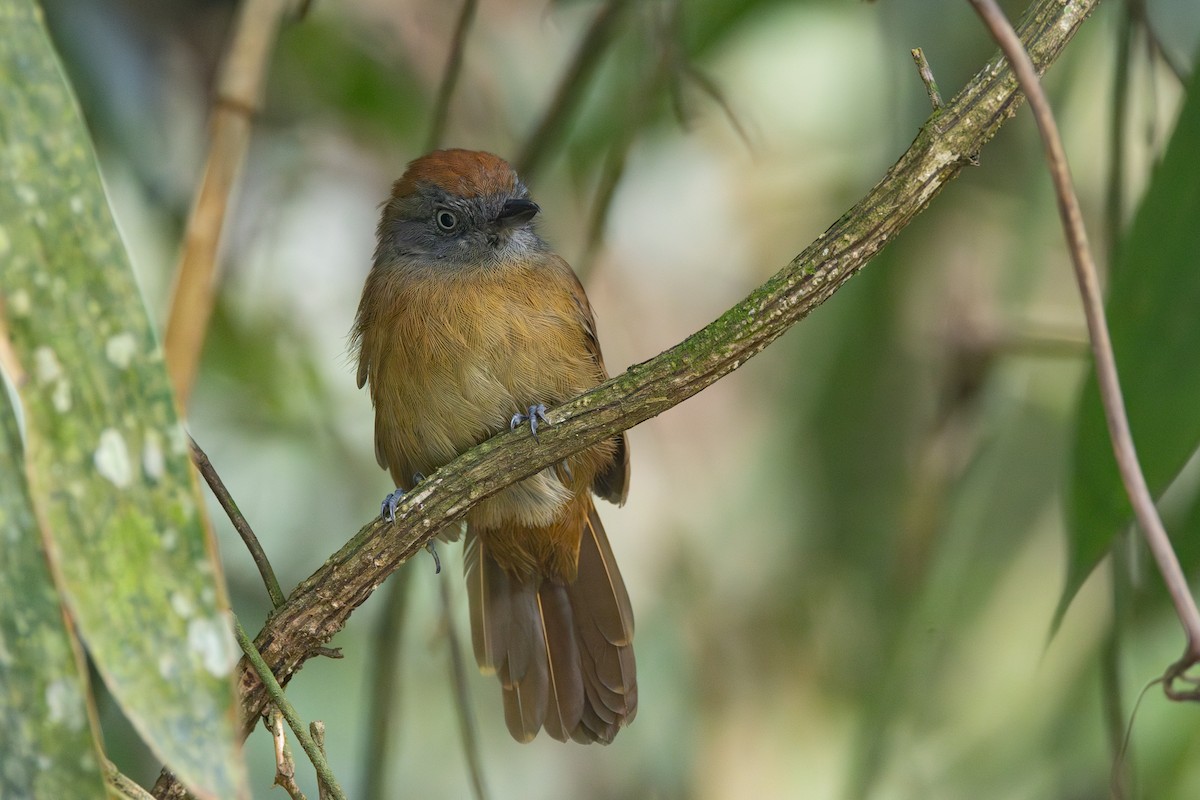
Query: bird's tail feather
{"x": 563, "y": 651}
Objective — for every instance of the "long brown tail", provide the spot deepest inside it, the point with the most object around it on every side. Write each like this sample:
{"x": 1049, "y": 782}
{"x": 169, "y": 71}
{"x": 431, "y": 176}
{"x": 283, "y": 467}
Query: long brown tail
{"x": 563, "y": 652}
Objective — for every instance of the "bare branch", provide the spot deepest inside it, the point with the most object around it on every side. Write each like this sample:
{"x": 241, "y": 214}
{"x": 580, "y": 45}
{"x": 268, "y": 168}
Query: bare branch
{"x": 200, "y": 458}
{"x": 285, "y": 765}
{"x": 1106, "y": 365}
{"x": 316, "y": 729}
{"x": 931, "y": 87}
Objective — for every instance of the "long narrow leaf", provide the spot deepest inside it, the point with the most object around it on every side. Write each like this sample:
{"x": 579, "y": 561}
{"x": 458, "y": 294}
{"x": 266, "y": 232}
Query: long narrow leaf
{"x": 47, "y": 739}
{"x": 1154, "y": 316}
{"x": 107, "y": 456}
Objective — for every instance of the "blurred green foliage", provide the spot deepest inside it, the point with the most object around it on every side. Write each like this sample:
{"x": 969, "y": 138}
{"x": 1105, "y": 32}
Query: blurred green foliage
{"x": 328, "y": 70}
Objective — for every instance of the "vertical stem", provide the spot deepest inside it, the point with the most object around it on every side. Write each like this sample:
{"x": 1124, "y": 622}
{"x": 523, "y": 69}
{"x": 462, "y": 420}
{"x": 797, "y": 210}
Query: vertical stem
{"x": 238, "y": 96}
{"x": 441, "y": 107}
{"x": 1111, "y": 695}
{"x": 384, "y": 682}
{"x": 466, "y": 719}
{"x": 1111, "y": 699}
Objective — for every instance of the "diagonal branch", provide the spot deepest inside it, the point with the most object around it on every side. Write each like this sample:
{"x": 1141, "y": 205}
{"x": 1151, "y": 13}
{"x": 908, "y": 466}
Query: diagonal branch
{"x": 221, "y": 492}
{"x": 319, "y": 607}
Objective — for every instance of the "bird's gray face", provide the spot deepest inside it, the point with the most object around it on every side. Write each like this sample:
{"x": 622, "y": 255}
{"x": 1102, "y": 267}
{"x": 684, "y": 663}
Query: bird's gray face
{"x": 436, "y": 228}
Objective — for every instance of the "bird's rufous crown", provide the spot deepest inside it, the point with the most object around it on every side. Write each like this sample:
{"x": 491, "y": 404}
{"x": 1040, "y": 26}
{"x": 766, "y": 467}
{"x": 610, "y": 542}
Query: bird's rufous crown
{"x": 466, "y": 173}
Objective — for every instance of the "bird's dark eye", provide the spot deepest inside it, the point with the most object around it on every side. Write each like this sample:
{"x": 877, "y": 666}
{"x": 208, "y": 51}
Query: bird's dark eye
{"x": 446, "y": 219}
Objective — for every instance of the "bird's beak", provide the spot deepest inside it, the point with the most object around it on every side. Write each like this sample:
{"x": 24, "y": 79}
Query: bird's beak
{"x": 516, "y": 212}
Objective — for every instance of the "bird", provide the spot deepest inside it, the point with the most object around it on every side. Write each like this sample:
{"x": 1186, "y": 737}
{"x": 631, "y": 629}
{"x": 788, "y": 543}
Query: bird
{"x": 470, "y": 324}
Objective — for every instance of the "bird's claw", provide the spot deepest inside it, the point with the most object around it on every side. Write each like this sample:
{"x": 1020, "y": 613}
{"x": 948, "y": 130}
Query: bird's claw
{"x": 536, "y": 412}
{"x": 387, "y": 509}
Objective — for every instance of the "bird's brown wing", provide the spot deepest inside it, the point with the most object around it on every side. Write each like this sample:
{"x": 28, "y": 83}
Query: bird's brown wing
{"x": 611, "y": 483}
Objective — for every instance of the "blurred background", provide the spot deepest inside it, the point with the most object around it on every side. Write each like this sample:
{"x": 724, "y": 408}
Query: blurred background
{"x": 845, "y": 558}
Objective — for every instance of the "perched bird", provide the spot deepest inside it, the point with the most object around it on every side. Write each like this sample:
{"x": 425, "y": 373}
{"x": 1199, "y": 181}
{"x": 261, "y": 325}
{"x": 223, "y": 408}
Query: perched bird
{"x": 469, "y": 324}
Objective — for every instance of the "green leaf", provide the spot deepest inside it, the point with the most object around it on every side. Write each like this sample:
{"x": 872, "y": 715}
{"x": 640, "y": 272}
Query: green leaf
{"x": 1154, "y": 317}
{"x": 107, "y": 458}
{"x": 49, "y": 751}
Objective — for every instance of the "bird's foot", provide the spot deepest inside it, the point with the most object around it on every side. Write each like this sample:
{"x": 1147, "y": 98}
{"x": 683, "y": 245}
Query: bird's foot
{"x": 387, "y": 509}
{"x": 437, "y": 562}
{"x": 537, "y": 412}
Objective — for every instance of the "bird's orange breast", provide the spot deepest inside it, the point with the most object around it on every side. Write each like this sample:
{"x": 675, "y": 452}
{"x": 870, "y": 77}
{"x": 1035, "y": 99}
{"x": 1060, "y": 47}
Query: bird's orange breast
{"x": 452, "y": 356}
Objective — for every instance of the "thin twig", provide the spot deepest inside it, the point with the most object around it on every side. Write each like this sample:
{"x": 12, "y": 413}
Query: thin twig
{"x": 316, "y": 729}
{"x": 280, "y": 701}
{"x": 1112, "y": 703}
{"x": 462, "y": 700}
{"x": 441, "y": 106}
{"x": 285, "y": 765}
{"x": 640, "y": 110}
{"x": 715, "y": 93}
{"x": 614, "y": 163}
{"x": 570, "y": 89}
{"x": 1106, "y": 366}
{"x": 931, "y": 87}
{"x": 239, "y": 94}
{"x": 122, "y": 785}
{"x": 239, "y": 523}
{"x": 1122, "y": 756}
